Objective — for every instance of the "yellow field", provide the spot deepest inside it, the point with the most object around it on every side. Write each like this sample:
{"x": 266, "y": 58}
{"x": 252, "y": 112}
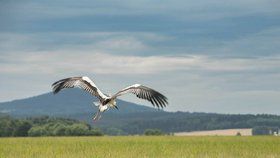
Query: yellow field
{"x": 220, "y": 132}
{"x": 141, "y": 146}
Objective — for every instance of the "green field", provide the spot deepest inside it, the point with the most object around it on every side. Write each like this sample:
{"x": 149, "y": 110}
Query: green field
{"x": 140, "y": 146}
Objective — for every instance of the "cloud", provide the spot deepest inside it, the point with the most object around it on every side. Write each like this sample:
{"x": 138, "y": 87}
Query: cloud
{"x": 256, "y": 44}
{"x": 128, "y": 43}
{"x": 134, "y": 28}
{"x": 113, "y": 42}
{"x": 192, "y": 83}
{"x": 103, "y": 63}
{"x": 263, "y": 43}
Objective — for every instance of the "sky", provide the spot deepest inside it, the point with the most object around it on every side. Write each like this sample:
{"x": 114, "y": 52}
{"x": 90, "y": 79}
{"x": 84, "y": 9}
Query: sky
{"x": 205, "y": 56}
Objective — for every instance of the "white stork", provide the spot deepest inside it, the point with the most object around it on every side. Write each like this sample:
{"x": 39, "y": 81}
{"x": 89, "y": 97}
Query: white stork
{"x": 105, "y": 101}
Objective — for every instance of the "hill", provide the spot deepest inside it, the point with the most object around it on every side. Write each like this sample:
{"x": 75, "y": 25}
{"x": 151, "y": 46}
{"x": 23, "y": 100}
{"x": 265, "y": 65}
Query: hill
{"x": 69, "y": 102}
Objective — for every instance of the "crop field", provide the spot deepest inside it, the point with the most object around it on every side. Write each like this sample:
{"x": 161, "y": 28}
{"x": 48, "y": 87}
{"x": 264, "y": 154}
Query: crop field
{"x": 141, "y": 146}
{"x": 221, "y": 132}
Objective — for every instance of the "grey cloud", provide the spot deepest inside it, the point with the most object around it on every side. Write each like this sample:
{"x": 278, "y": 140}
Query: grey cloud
{"x": 191, "y": 27}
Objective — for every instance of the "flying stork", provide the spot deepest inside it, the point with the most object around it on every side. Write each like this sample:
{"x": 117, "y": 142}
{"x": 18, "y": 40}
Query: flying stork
{"x": 108, "y": 101}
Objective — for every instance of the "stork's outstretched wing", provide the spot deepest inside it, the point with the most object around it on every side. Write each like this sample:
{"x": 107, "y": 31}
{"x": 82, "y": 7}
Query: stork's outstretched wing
{"x": 143, "y": 92}
{"x": 80, "y": 82}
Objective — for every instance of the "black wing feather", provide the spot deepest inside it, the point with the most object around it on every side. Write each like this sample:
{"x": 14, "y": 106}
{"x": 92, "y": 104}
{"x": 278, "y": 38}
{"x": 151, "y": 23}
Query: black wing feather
{"x": 143, "y": 92}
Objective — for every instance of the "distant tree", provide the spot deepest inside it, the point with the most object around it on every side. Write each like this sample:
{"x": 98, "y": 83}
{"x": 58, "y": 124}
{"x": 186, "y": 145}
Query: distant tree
{"x": 154, "y": 132}
{"x": 77, "y": 130}
{"x": 95, "y": 132}
{"x": 114, "y": 131}
{"x": 37, "y": 131}
{"x": 59, "y": 130}
{"x": 21, "y": 129}
{"x": 238, "y": 134}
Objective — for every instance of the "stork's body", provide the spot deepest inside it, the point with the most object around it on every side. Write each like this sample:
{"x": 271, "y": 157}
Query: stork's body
{"x": 105, "y": 101}
{"x": 103, "y": 106}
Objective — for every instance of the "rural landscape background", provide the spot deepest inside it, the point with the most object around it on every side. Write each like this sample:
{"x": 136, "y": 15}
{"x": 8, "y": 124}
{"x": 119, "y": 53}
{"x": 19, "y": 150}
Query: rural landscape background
{"x": 71, "y": 111}
{"x": 216, "y": 61}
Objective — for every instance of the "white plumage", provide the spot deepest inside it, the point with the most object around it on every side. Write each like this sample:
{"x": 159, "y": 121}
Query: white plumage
{"x": 105, "y": 101}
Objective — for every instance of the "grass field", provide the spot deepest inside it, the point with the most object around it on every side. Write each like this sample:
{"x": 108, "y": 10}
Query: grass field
{"x": 140, "y": 146}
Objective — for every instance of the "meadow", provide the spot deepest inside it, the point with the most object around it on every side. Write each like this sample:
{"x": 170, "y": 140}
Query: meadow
{"x": 141, "y": 146}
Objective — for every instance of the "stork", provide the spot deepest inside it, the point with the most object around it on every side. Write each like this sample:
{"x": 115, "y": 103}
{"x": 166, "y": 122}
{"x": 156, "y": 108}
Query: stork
{"x": 109, "y": 101}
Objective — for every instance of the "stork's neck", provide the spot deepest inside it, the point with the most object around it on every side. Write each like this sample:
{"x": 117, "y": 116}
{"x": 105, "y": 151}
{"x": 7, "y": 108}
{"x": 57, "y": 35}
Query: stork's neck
{"x": 106, "y": 101}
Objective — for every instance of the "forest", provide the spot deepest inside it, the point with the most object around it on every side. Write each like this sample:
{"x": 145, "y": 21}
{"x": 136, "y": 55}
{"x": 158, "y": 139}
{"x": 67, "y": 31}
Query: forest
{"x": 44, "y": 126}
{"x": 57, "y": 126}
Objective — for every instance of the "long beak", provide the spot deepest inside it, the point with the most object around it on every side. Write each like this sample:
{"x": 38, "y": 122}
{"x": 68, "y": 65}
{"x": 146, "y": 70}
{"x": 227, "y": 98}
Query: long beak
{"x": 116, "y": 107}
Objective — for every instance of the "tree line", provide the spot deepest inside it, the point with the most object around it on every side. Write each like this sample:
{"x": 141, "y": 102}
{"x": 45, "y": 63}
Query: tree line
{"x": 168, "y": 122}
{"x": 45, "y": 126}
{"x": 138, "y": 123}
{"x": 51, "y": 126}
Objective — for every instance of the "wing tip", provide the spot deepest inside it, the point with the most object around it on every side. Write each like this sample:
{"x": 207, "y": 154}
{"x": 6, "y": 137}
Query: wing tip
{"x": 56, "y": 86}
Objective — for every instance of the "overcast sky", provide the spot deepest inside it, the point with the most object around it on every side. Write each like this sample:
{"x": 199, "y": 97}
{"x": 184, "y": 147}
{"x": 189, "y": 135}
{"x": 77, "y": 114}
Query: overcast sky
{"x": 206, "y": 56}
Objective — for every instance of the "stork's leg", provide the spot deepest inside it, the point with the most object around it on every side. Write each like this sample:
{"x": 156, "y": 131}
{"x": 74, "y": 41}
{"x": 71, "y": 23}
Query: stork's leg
{"x": 97, "y": 116}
